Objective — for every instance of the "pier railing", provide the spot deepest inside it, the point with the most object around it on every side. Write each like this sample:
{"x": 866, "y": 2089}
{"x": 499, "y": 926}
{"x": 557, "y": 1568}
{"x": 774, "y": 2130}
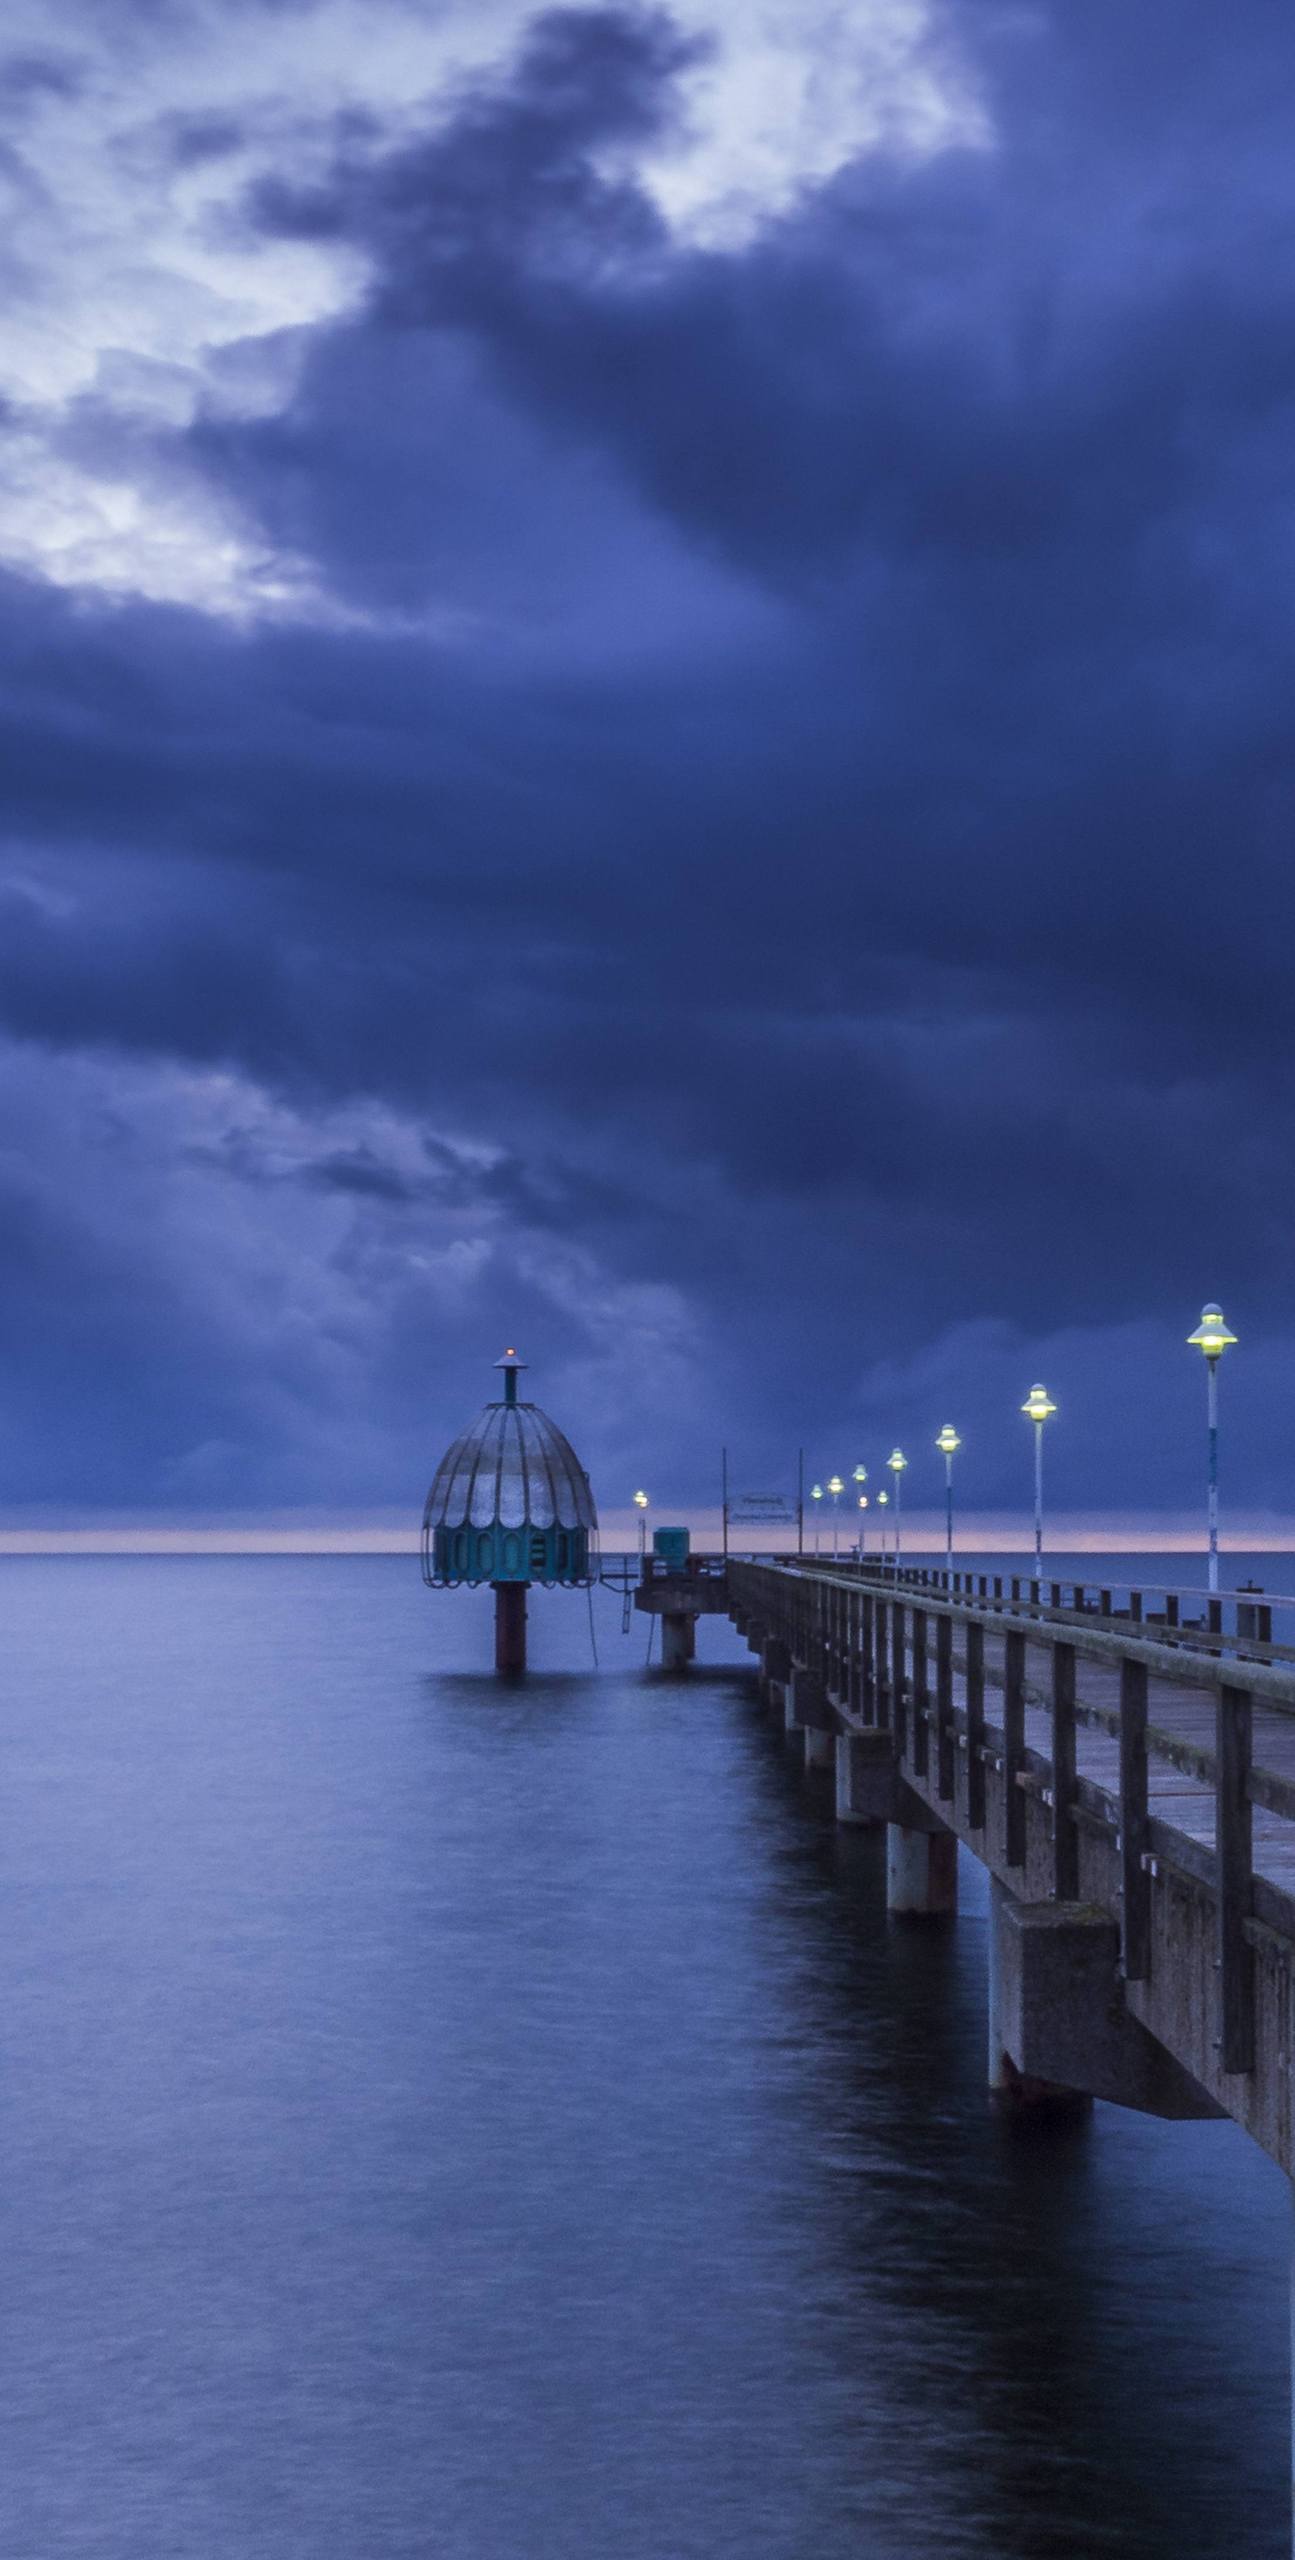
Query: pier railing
{"x": 1174, "y": 1613}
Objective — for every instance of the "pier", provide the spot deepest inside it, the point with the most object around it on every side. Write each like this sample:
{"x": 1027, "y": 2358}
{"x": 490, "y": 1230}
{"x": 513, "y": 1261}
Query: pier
{"x": 1127, "y": 1778}
{"x": 1128, "y": 1782}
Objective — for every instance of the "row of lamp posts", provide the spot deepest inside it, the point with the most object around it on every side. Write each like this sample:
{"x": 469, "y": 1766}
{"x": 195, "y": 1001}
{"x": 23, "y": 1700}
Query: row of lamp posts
{"x": 835, "y": 1486}
{"x": 1210, "y": 1337}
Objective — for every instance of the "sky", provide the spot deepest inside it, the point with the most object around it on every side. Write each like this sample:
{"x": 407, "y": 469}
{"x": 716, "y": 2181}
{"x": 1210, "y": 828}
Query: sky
{"x": 646, "y": 675}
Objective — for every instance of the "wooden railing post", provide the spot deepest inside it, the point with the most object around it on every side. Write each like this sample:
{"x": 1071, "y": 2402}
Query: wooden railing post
{"x": 976, "y": 1725}
{"x": 868, "y": 1693}
{"x": 1133, "y": 1821}
{"x": 1235, "y": 1878}
{"x": 944, "y": 1733}
{"x": 1065, "y": 1837}
{"x": 1014, "y": 1744}
{"x": 882, "y": 1614}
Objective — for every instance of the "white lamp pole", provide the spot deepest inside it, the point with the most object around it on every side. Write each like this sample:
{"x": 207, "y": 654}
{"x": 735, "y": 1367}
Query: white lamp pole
{"x": 882, "y": 1500}
{"x": 1212, "y": 1337}
{"x": 863, "y": 1505}
{"x": 897, "y": 1463}
{"x": 1038, "y": 1405}
{"x": 836, "y": 1487}
{"x": 641, "y": 1506}
{"x": 816, "y": 1496}
{"x": 948, "y": 1444}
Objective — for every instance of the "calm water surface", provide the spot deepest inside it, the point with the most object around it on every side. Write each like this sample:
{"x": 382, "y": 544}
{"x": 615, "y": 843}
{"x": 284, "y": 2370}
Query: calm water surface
{"x": 438, "y": 2120}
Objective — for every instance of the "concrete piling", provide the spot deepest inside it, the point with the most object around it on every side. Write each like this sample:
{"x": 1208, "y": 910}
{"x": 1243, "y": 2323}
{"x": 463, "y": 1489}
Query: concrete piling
{"x": 678, "y": 1640}
{"x": 921, "y": 1873}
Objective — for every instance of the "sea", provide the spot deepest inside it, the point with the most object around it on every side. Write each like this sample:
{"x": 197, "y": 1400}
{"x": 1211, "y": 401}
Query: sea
{"x": 442, "y": 2120}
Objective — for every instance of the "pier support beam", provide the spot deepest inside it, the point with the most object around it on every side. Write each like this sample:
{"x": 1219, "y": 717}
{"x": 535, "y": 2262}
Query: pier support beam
{"x": 678, "y": 1640}
{"x": 1014, "y": 2090}
{"x": 820, "y": 1747}
{"x": 1060, "y": 2030}
{"x": 921, "y": 1873}
{"x": 775, "y": 1669}
{"x": 510, "y": 1627}
{"x": 865, "y": 1778}
{"x": 807, "y": 1706}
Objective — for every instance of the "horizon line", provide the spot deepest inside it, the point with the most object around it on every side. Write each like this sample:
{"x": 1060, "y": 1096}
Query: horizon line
{"x": 384, "y": 1531}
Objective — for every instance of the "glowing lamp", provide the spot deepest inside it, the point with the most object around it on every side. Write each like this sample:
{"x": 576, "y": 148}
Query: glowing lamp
{"x": 1211, "y": 1335}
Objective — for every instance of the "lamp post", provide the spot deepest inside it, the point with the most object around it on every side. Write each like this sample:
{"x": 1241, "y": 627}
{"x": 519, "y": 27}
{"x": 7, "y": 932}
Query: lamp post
{"x": 1038, "y": 1405}
{"x": 863, "y": 1505}
{"x": 882, "y": 1500}
{"x": 897, "y": 1463}
{"x": 641, "y": 1506}
{"x": 836, "y": 1487}
{"x": 948, "y": 1444}
{"x": 1212, "y": 1337}
{"x": 816, "y": 1496}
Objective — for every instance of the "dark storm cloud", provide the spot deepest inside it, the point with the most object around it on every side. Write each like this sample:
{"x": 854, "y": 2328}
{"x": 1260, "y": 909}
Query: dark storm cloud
{"x": 801, "y": 773}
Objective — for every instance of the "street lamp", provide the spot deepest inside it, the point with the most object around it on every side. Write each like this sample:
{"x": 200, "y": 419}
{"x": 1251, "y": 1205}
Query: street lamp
{"x": 1212, "y": 1337}
{"x": 1038, "y": 1405}
{"x": 863, "y": 1505}
{"x": 816, "y": 1496}
{"x": 860, "y": 1476}
{"x": 836, "y": 1488}
{"x": 897, "y": 1463}
{"x": 641, "y": 1506}
{"x": 948, "y": 1444}
{"x": 882, "y": 1500}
